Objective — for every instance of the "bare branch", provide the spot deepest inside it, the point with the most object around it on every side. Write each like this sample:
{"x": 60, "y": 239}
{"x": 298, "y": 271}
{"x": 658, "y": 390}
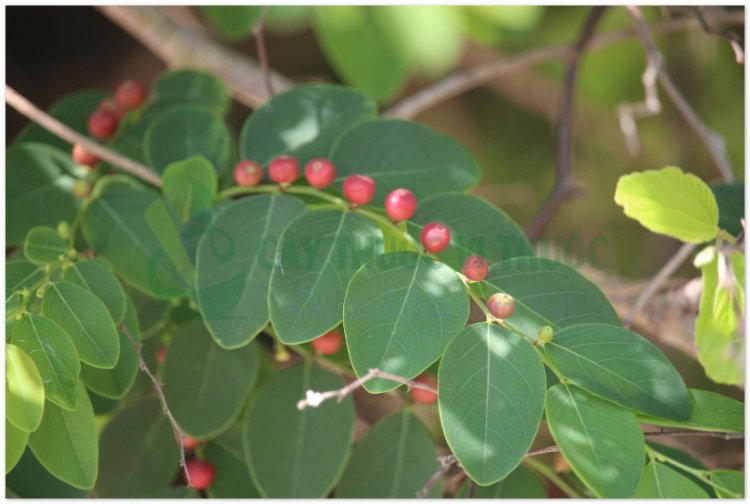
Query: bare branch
{"x": 446, "y": 462}
{"x": 180, "y": 46}
{"x": 314, "y": 399}
{"x": 57, "y": 128}
{"x": 178, "y": 432}
{"x": 564, "y": 185}
{"x": 260, "y": 42}
{"x": 472, "y": 487}
{"x": 734, "y": 40}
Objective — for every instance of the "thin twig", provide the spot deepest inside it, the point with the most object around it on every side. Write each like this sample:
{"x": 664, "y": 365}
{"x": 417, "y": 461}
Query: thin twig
{"x": 178, "y": 432}
{"x": 565, "y": 187}
{"x": 472, "y": 487}
{"x": 314, "y": 399}
{"x": 57, "y": 128}
{"x": 471, "y": 78}
{"x": 734, "y": 40}
{"x": 260, "y": 42}
{"x": 446, "y": 462}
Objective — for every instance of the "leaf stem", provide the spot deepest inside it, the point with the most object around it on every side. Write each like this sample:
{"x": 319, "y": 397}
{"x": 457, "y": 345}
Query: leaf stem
{"x": 698, "y": 473}
{"x": 547, "y": 472}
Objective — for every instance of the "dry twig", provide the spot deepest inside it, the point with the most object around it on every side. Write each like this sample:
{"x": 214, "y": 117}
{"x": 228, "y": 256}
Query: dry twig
{"x": 260, "y": 42}
{"x": 734, "y": 40}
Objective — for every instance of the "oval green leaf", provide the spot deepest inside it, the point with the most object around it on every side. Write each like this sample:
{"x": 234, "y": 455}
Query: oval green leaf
{"x": 491, "y": 397}
{"x": 228, "y": 458}
{"x": 86, "y": 320}
{"x": 603, "y": 442}
{"x": 65, "y": 443}
{"x": 185, "y": 86}
{"x": 24, "y": 390}
{"x": 190, "y": 186}
{"x": 54, "y": 355}
{"x": 400, "y": 313}
{"x": 205, "y": 385}
{"x": 731, "y": 483}
{"x": 44, "y": 245}
{"x": 405, "y": 154}
{"x": 620, "y": 366}
{"x": 232, "y": 22}
{"x": 710, "y": 412}
{"x": 670, "y": 202}
{"x": 520, "y": 484}
{"x": 317, "y": 255}
{"x": 15, "y": 444}
{"x": 32, "y": 481}
{"x": 662, "y": 482}
{"x": 96, "y": 276}
{"x": 234, "y": 262}
{"x": 306, "y": 454}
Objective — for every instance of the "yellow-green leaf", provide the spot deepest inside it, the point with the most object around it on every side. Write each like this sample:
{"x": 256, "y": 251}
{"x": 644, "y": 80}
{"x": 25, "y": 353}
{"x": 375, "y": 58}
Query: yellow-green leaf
{"x": 24, "y": 390}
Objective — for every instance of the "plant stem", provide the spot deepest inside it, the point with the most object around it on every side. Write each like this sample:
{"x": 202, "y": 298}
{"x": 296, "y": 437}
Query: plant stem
{"x": 698, "y": 473}
{"x": 547, "y": 472}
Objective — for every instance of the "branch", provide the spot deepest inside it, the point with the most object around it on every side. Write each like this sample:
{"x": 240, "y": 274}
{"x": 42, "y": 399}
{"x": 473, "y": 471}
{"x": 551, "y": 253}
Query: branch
{"x": 734, "y": 40}
{"x": 472, "y": 487}
{"x": 465, "y": 80}
{"x": 180, "y": 46}
{"x": 46, "y": 121}
{"x": 260, "y": 42}
{"x": 564, "y": 185}
{"x": 314, "y": 399}
{"x": 446, "y": 462}
{"x": 178, "y": 432}
{"x": 713, "y": 142}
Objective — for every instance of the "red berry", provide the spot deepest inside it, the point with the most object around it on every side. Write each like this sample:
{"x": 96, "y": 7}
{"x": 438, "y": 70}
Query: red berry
{"x": 283, "y": 169}
{"x": 131, "y": 94}
{"x": 161, "y": 354}
{"x": 359, "y": 189}
{"x": 81, "y": 189}
{"x": 435, "y": 237}
{"x": 320, "y": 173}
{"x": 475, "y": 268}
{"x": 111, "y": 105}
{"x": 424, "y": 396}
{"x": 329, "y": 343}
{"x": 103, "y": 123}
{"x": 501, "y": 305}
{"x": 248, "y": 173}
{"x": 190, "y": 443}
{"x": 201, "y": 473}
{"x": 84, "y": 157}
{"x": 400, "y": 204}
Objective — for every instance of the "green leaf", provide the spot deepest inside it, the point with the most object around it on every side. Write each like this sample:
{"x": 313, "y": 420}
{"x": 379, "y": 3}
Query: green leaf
{"x": 190, "y": 186}
{"x": 520, "y": 484}
{"x": 116, "y": 382}
{"x": 30, "y": 480}
{"x": 15, "y": 444}
{"x": 685, "y": 459}
{"x": 405, "y": 154}
{"x": 139, "y": 452}
{"x": 306, "y": 454}
{"x": 24, "y": 390}
{"x": 233, "y": 265}
{"x": 44, "y": 245}
{"x": 603, "y": 442}
{"x": 39, "y": 189}
{"x": 231, "y": 22}
{"x": 362, "y": 46}
{"x": 186, "y": 87}
{"x": 54, "y": 355}
{"x": 661, "y": 482}
{"x": 182, "y": 132}
{"x": 711, "y": 412}
{"x": 86, "y": 320}
{"x": 621, "y": 366}
{"x": 393, "y": 460}
{"x": 549, "y": 293}
{"x": 670, "y": 202}
{"x": 228, "y": 458}
{"x": 205, "y": 385}
{"x": 476, "y": 228}
{"x": 21, "y": 275}
{"x": 734, "y": 481}
{"x": 731, "y": 200}
{"x": 303, "y": 122}
{"x": 115, "y": 226}
{"x": 491, "y": 384}
{"x": 400, "y": 313}
{"x": 65, "y": 443}
{"x": 96, "y": 276}
{"x": 317, "y": 255}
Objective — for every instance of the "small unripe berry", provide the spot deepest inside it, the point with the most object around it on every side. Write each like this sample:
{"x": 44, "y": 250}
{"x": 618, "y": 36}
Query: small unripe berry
{"x": 329, "y": 343}
{"x": 103, "y": 123}
{"x": 84, "y": 157}
{"x": 248, "y": 173}
{"x": 161, "y": 354}
{"x": 320, "y": 173}
{"x": 359, "y": 189}
{"x": 475, "y": 268}
{"x": 424, "y": 396}
{"x": 131, "y": 94}
{"x": 435, "y": 237}
{"x": 201, "y": 473}
{"x": 112, "y": 105}
{"x": 190, "y": 443}
{"x": 545, "y": 334}
{"x": 283, "y": 170}
{"x": 400, "y": 204}
{"x": 81, "y": 189}
{"x": 501, "y": 305}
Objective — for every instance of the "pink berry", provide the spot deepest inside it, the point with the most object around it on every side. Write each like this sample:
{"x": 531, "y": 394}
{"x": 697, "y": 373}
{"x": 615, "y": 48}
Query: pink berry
{"x": 501, "y": 305}
{"x": 435, "y": 237}
{"x": 248, "y": 173}
{"x": 201, "y": 473}
{"x": 103, "y": 123}
{"x": 190, "y": 443}
{"x": 400, "y": 204}
{"x": 424, "y": 396}
{"x": 329, "y": 343}
{"x": 359, "y": 189}
{"x": 131, "y": 94}
{"x": 112, "y": 105}
{"x": 84, "y": 157}
{"x": 161, "y": 354}
{"x": 475, "y": 268}
{"x": 283, "y": 170}
{"x": 320, "y": 173}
